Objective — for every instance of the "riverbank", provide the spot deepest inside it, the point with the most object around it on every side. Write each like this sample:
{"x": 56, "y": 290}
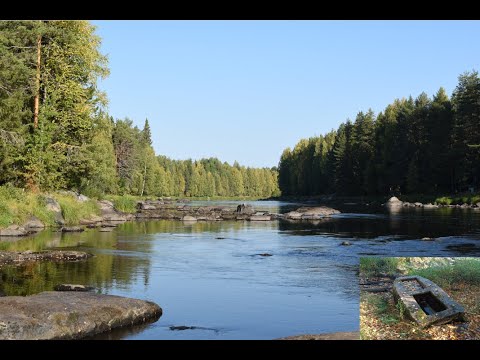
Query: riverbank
{"x": 25, "y": 213}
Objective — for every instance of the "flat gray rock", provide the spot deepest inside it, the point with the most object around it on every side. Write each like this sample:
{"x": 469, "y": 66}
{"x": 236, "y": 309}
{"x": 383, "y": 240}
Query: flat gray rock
{"x": 70, "y": 315}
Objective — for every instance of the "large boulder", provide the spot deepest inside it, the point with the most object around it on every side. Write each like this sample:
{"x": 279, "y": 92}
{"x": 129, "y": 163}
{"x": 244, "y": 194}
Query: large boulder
{"x": 245, "y": 209}
{"x": 109, "y": 213}
{"x": 189, "y": 218}
{"x": 70, "y": 315}
{"x": 53, "y": 206}
{"x": 34, "y": 223}
{"x": 394, "y": 202}
{"x": 15, "y": 230}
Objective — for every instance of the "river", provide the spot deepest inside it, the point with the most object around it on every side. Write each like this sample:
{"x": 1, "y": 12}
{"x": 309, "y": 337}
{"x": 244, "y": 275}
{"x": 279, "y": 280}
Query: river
{"x": 209, "y": 276}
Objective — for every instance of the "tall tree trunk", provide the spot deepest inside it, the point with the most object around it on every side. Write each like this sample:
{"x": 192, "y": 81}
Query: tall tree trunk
{"x": 37, "y": 84}
{"x": 144, "y": 176}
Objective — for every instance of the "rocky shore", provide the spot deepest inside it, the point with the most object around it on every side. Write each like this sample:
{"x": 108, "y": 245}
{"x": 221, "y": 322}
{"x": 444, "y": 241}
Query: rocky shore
{"x": 354, "y": 335}
{"x": 394, "y": 202}
{"x": 161, "y": 209}
{"x": 18, "y": 258}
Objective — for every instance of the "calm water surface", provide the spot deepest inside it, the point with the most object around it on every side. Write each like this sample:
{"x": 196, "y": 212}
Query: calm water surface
{"x": 208, "y": 275}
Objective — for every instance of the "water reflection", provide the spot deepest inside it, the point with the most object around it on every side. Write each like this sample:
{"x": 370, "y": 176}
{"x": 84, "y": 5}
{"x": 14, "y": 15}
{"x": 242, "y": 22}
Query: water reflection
{"x": 203, "y": 274}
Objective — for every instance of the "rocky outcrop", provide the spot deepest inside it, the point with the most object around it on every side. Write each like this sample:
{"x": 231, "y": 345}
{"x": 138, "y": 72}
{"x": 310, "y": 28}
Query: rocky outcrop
{"x": 310, "y": 213}
{"x": 260, "y": 218}
{"x": 70, "y": 315}
{"x": 53, "y": 206}
{"x": 394, "y": 202}
{"x": 21, "y": 257}
{"x": 15, "y": 230}
{"x": 93, "y": 220}
{"x": 34, "y": 223}
{"x": 110, "y": 214}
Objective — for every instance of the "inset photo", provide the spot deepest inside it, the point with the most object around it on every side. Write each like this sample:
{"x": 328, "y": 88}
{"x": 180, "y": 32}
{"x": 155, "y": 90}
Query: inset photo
{"x": 419, "y": 298}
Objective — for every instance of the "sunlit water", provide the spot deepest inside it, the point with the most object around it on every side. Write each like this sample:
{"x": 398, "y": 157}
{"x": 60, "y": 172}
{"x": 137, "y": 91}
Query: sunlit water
{"x": 208, "y": 275}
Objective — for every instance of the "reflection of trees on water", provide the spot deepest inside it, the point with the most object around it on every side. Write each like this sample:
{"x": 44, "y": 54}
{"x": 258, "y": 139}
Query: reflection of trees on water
{"x": 105, "y": 269}
{"x": 411, "y": 224}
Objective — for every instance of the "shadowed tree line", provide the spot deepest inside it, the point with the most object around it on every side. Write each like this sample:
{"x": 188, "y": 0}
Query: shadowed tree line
{"x": 55, "y": 132}
{"x": 420, "y": 145}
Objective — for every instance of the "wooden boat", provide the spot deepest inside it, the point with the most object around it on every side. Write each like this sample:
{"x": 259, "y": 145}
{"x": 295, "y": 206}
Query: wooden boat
{"x": 425, "y": 302}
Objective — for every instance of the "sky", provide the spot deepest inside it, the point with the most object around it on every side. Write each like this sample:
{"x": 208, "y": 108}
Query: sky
{"x": 246, "y": 90}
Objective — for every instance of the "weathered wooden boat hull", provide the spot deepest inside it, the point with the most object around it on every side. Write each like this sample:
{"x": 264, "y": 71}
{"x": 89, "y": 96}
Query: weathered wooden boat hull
{"x": 425, "y": 302}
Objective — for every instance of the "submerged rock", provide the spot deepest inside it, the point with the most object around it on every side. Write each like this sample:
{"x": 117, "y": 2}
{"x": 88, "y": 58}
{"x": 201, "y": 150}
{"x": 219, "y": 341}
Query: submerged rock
{"x": 346, "y": 243}
{"x": 71, "y": 287}
{"x": 260, "y": 218}
{"x": 70, "y": 315}
{"x": 264, "y": 255}
{"x": 189, "y": 218}
{"x": 72, "y": 229}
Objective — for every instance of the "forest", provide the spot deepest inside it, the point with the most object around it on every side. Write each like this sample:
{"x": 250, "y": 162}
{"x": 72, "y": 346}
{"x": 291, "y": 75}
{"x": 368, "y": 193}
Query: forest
{"x": 56, "y": 133}
{"x": 415, "y": 146}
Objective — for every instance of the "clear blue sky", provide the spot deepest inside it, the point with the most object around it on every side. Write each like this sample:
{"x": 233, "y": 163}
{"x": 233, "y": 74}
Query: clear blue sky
{"x": 245, "y": 90}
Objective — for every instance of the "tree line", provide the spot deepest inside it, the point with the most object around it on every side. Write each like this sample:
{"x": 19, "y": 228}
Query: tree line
{"x": 423, "y": 145}
{"x": 55, "y": 131}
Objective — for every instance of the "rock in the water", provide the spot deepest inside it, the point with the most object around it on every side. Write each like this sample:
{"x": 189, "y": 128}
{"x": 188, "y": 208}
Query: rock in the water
{"x": 430, "y": 206}
{"x": 427, "y": 239}
{"x": 264, "y": 255}
{"x": 14, "y": 230}
{"x": 260, "y": 218}
{"x": 70, "y": 315}
{"x": 71, "y": 287}
{"x": 293, "y": 215}
{"x": 394, "y": 202}
{"x": 33, "y": 223}
{"x": 245, "y": 209}
{"x": 109, "y": 213}
{"x": 418, "y": 204}
{"x": 106, "y": 229}
{"x": 478, "y": 205}
{"x": 72, "y": 229}
{"x": 54, "y": 206}
{"x": 346, "y": 243}
{"x": 317, "y": 211}
{"x": 93, "y": 220}
{"x": 189, "y": 218}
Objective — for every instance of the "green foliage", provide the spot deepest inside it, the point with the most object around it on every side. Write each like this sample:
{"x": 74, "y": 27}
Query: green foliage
{"x": 73, "y": 211}
{"x": 124, "y": 203}
{"x": 383, "y": 310}
{"x": 76, "y": 145}
{"x": 375, "y": 266}
{"x": 461, "y": 271}
{"x": 17, "y": 205}
{"x": 415, "y": 146}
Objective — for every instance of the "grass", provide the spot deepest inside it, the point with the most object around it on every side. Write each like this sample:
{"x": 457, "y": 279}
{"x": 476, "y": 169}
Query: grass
{"x": 461, "y": 271}
{"x": 73, "y": 211}
{"x": 383, "y": 310}
{"x": 18, "y": 205}
{"x": 124, "y": 203}
{"x": 374, "y": 266}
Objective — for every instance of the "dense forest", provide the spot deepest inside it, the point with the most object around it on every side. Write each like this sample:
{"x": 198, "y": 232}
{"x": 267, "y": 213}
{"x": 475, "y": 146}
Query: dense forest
{"x": 55, "y": 132}
{"x": 415, "y": 146}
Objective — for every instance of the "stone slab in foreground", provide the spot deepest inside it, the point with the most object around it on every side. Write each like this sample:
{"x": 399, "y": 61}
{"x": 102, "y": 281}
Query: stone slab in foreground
{"x": 70, "y": 315}
{"x": 332, "y": 336}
